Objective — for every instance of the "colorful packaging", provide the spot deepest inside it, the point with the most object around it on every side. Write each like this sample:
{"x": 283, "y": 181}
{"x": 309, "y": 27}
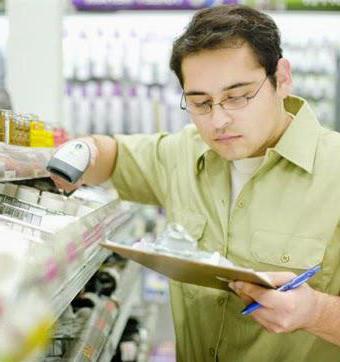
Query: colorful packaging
{"x": 147, "y": 4}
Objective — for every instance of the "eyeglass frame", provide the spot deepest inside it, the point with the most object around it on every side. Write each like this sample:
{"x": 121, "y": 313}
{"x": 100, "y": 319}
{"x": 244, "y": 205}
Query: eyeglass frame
{"x": 247, "y": 98}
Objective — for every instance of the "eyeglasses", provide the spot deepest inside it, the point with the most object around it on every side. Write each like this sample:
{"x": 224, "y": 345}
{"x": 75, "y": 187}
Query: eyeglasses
{"x": 229, "y": 103}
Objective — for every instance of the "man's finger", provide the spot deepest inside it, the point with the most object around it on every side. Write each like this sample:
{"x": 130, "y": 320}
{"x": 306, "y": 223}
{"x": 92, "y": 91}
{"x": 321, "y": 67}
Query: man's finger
{"x": 246, "y": 299}
{"x": 280, "y": 278}
{"x": 255, "y": 292}
{"x": 64, "y": 185}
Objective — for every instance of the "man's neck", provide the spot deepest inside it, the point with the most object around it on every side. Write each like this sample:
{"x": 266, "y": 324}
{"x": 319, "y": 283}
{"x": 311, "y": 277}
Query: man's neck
{"x": 284, "y": 124}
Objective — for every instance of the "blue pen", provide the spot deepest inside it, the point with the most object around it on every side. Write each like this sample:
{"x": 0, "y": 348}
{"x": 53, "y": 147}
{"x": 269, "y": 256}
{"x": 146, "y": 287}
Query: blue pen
{"x": 294, "y": 283}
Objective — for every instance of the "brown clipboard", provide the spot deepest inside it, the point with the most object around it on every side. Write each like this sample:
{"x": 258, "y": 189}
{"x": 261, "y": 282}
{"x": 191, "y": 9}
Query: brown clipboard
{"x": 188, "y": 271}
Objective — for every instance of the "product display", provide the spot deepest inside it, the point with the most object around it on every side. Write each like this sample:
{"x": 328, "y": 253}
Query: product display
{"x": 315, "y": 69}
{"x": 120, "y": 84}
{"x": 127, "y": 350}
{"x": 19, "y": 163}
{"x": 104, "y": 282}
{"x": 144, "y": 4}
{"x": 51, "y": 256}
{"x": 28, "y": 130}
{"x": 27, "y": 194}
{"x": 109, "y": 5}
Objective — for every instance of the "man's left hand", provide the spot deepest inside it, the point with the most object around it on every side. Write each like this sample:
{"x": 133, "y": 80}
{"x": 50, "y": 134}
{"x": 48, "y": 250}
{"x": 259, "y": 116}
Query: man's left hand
{"x": 281, "y": 312}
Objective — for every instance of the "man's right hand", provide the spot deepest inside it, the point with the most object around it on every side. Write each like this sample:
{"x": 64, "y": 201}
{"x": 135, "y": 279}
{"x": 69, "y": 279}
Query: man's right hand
{"x": 67, "y": 186}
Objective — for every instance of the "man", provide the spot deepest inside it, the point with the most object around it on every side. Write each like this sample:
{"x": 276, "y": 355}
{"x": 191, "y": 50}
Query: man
{"x": 256, "y": 179}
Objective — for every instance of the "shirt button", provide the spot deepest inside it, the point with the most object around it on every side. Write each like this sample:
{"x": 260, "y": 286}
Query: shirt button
{"x": 220, "y": 301}
{"x": 285, "y": 258}
{"x": 241, "y": 204}
{"x": 212, "y": 352}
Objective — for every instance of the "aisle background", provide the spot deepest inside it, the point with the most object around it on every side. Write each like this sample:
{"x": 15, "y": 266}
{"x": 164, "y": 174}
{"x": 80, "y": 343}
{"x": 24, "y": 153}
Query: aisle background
{"x": 108, "y": 73}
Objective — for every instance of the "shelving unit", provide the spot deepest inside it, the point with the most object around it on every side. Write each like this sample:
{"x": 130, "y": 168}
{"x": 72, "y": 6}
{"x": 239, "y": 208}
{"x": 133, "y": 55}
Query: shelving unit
{"x": 71, "y": 287}
{"x": 63, "y": 260}
{"x": 150, "y": 325}
{"x": 127, "y": 295}
{"x": 21, "y": 163}
{"x": 92, "y": 339}
{"x": 95, "y": 255}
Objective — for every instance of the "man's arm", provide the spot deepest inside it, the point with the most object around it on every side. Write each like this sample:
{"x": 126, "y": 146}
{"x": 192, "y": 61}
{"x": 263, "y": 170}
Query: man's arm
{"x": 103, "y": 161}
{"x": 326, "y": 322}
{"x": 301, "y": 308}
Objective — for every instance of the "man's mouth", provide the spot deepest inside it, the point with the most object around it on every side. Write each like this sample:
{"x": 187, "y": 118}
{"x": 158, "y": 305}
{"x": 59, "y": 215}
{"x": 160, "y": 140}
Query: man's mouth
{"x": 227, "y": 138}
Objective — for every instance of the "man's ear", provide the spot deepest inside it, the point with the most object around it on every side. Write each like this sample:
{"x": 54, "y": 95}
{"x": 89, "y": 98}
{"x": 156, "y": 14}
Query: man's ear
{"x": 284, "y": 79}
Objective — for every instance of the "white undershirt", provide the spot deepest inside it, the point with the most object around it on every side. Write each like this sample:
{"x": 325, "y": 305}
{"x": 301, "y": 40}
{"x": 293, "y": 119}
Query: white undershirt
{"x": 241, "y": 172}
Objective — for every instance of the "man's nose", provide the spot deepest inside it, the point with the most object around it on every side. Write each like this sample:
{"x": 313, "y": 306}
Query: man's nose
{"x": 220, "y": 118}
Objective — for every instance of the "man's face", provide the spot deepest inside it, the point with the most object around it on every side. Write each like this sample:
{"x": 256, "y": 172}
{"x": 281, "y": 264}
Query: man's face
{"x": 214, "y": 76}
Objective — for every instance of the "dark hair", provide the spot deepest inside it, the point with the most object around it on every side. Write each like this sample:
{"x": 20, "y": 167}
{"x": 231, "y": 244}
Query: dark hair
{"x": 228, "y": 26}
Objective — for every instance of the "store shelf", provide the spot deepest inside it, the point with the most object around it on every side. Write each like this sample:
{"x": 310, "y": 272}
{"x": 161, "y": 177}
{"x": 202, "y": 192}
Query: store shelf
{"x": 113, "y": 216}
{"x": 127, "y": 295}
{"x": 61, "y": 264}
{"x": 20, "y": 163}
{"x": 150, "y": 325}
{"x": 91, "y": 341}
{"x": 103, "y": 330}
{"x": 71, "y": 287}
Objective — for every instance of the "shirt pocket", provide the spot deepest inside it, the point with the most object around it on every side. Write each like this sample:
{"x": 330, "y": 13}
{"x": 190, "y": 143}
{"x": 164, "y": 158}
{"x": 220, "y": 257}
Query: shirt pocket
{"x": 274, "y": 251}
{"x": 193, "y": 222}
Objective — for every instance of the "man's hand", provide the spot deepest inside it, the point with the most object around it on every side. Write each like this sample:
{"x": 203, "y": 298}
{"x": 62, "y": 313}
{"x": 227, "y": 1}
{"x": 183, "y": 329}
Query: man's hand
{"x": 67, "y": 186}
{"x": 281, "y": 312}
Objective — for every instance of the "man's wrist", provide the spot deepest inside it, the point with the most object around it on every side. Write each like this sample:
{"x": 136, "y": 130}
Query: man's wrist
{"x": 321, "y": 300}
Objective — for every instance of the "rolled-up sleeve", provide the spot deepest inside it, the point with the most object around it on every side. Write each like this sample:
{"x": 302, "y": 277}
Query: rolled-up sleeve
{"x": 141, "y": 172}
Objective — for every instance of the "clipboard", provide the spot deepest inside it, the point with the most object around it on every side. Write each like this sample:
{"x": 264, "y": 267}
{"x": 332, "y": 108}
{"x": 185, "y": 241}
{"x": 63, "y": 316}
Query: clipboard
{"x": 189, "y": 271}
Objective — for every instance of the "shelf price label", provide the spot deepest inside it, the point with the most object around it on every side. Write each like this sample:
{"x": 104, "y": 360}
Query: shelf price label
{"x": 313, "y": 5}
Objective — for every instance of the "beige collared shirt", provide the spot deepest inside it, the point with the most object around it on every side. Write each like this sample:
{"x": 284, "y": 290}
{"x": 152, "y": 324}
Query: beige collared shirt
{"x": 285, "y": 218}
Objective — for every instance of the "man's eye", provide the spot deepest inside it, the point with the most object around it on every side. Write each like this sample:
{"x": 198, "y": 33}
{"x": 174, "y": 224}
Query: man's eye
{"x": 201, "y": 104}
{"x": 198, "y": 104}
{"x": 232, "y": 98}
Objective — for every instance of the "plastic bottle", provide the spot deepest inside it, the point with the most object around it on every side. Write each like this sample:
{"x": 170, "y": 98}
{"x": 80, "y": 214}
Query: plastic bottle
{"x": 116, "y": 110}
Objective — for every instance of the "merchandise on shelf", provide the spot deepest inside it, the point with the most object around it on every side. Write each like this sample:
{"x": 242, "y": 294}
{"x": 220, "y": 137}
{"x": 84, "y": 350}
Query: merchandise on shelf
{"x": 119, "y": 84}
{"x": 21, "y": 162}
{"x": 28, "y": 130}
{"x": 53, "y": 252}
{"x": 315, "y": 73}
{"x": 147, "y": 4}
{"x": 110, "y": 5}
{"x": 122, "y": 83}
{"x": 130, "y": 341}
{"x": 91, "y": 327}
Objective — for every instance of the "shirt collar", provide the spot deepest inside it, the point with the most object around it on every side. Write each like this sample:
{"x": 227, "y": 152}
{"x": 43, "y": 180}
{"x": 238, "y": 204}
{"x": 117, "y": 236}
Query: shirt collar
{"x": 298, "y": 144}
{"x": 202, "y": 150}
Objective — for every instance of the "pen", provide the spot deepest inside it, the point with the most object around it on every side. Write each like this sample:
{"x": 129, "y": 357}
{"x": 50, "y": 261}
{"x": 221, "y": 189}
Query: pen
{"x": 294, "y": 283}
